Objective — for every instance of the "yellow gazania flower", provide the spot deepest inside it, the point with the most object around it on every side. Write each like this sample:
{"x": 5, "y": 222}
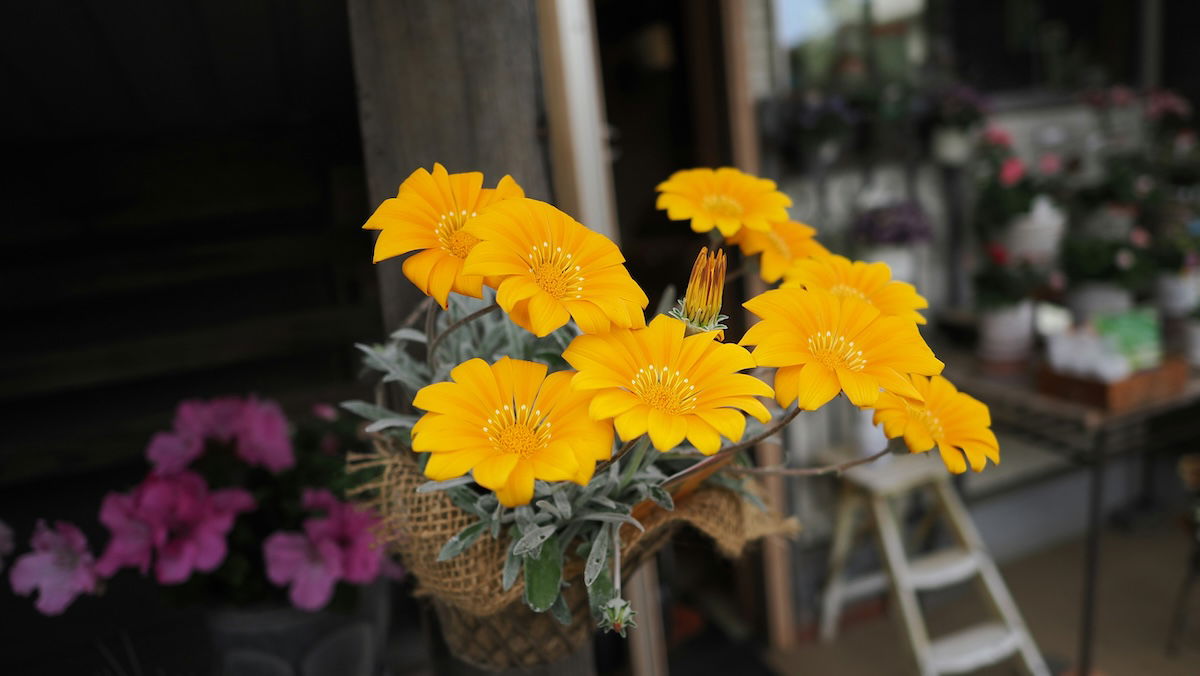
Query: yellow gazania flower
{"x": 658, "y": 380}
{"x": 956, "y": 422}
{"x": 871, "y": 282}
{"x": 725, "y": 198}
{"x": 553, "y": 269}
{"x": 783, "y": 245}
{"x": 508, "y": 424}
{"x": 700, "y": 308}
{"x": 824, "y": 343}
{"x": 429, "y": 215}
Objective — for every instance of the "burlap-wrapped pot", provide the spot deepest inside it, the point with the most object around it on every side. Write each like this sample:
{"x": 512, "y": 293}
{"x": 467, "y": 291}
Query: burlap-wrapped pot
{"x": 490, "y": 627}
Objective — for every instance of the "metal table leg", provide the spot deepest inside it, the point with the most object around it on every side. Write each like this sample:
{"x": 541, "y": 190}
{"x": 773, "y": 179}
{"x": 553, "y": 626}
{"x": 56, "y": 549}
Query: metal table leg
{"x": 1091, "y": 569}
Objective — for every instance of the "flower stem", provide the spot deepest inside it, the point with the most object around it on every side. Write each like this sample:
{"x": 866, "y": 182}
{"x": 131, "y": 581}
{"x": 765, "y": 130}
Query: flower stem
{"x": 625, "y": 448}
{"x": 436, "y": 342}
{"x": 616, "y": 544}
{"x": 809, "y": 471}
{"x": 761, "y": 436}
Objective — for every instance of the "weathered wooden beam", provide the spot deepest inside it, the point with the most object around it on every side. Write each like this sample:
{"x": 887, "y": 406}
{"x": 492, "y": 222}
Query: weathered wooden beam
{"x": 450, "y": 81}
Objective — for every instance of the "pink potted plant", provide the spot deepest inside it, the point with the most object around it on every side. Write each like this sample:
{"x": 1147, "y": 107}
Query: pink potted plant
{"x": 239, "y": 511}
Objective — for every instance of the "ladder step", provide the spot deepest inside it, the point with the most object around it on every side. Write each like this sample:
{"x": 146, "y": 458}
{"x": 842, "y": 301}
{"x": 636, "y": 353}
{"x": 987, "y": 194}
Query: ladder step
{"x": 862, "y": 587}
{"x": 973, "y": 648}
{"x": 943, "y": 568}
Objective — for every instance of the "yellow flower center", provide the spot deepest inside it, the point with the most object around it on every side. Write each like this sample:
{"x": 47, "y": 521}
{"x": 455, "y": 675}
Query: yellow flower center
{"x": 722, "y": 206}
{"x": 843, "y": 290}
{"x": 666, "y": 390}
{"x": 836, "y": 352}
{"x": 928, "y": 419}
{"x": 555, "y": 271}
{"x": 450, "y": 235}
{"x": 518, "y": 431}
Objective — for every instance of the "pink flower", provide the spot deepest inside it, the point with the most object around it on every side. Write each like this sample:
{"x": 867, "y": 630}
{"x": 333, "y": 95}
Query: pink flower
{"x": 6, "y": 542}
{"x": 1139, "y": 237}
{"x": 1120, "y": 95}
{"x": 174, "y": 518}
{"x": 262, "y": 436}
{"x": 996, "y": 136}
{"x": 214, "y": 419}
{"x": 131, "y": 541}
{"x": 60, "y": 567}
{"x": 1124, "y": 259}
{"x": 325, "y": 412}
{"x": 171, "y": 452}
{"x": 309, "y": 567}
{"x": 1050, "y": 164}
{"x": 351, "y": 528}
{"x": 1056, "y": 280}
{"x": 1011, "y": 171}
{"x": 1143, "y": 185}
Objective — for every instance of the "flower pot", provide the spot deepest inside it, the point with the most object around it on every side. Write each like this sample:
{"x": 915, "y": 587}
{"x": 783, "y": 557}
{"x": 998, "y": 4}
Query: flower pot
{"x": 1006, "y": 333}
{"x": 1192, "y": 342}
{"x": 952, "y": 146}
{"x": 284, "y": 640}
{"x": 1177, "y": 294}
{"x": 1094, "y": 298}
{"x": 902, "y": 259}
{"x": 288, "y": 641}
{"x": 1035, "y": 236}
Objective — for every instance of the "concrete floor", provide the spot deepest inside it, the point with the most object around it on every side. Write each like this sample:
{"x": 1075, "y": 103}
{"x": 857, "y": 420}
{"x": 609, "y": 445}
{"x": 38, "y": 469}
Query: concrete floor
{"x": 1139, "y": 579}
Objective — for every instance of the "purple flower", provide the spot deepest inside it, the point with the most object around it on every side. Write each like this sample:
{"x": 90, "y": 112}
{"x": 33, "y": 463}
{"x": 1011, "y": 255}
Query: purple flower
{"x": 262, "y": 436}
{"x": 899, "y": 223}
{"x": 309, "y": 567}
{"x": 172, "y": 452}
{"x": 60, "y": 567}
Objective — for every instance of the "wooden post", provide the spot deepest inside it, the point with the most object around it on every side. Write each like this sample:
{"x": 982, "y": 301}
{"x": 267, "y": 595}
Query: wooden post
{"x": 450, "y": 81}
{"x": 777, "y": 556}
{"x": 456, "y": 82}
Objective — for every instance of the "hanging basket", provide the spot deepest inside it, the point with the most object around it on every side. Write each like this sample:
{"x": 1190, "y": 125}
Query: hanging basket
{"x": 490, "y": 627}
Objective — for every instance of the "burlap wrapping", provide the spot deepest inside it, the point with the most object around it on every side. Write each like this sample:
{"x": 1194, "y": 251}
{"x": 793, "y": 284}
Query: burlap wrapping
{"x": 490, "y": 627}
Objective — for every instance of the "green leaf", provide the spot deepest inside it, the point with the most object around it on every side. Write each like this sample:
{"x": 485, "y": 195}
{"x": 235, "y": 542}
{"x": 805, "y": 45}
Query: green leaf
{"x": 512, "y": 566}
{"x": 660, "y": 495}
{"x": 368, "y": 411}
{"x": 533, "y": 539}
{"x": 560, "y": 611}
{"x": 467, "y": 537}
{"x": 601, "y": 592}
{"x": 562, "y": 503}
{"x": 543, "y": 576}
{"x": 403, "y": 421}
{"x": 597, "y": 557}
{"x": 431, "y": 486}
{"x": 410, "y": 335}
{"x": 612, "y": 517}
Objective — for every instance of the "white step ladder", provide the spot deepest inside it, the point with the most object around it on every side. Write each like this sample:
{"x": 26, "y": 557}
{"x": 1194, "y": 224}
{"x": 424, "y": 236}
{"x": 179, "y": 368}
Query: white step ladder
{"x": 874, "y": 487}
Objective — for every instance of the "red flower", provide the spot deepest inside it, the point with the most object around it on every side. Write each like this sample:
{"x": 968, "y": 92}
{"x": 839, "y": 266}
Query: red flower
{"x": 997, "y": 253}
{"x": 1011, "y": 171}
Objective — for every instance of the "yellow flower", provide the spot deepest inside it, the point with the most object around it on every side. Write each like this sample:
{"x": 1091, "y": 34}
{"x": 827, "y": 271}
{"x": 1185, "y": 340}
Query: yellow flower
{"x": 725, "y": 198}
{"x": 429, "y": 214}
{"x": 871, "y": 282}
{"x": 784, "y": 244}
{"x": 673, "y": 386}
{"x": 824, "y": 343}
{"x": 508, "y": 424}
{"x": 700, "y": 308}
{"x": 553, "y": 269}
{"x": 956, "y": 422}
